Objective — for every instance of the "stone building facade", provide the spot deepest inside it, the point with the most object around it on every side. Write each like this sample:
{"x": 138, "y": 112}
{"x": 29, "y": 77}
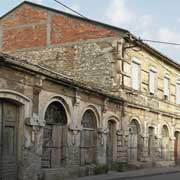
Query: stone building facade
{"x": 76, "y": 94}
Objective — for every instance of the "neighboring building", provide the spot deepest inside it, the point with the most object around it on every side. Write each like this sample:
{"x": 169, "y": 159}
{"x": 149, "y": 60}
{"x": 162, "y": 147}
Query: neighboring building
{"x": 76, "y": 93}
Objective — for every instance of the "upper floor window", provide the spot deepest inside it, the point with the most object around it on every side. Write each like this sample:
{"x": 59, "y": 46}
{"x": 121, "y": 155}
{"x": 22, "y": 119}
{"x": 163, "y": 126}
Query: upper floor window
{"x": 135, "y": 75}
{"x": 178, "y": 92}
{"x": 166, "y": 87}
{"x": 152, "y": 79}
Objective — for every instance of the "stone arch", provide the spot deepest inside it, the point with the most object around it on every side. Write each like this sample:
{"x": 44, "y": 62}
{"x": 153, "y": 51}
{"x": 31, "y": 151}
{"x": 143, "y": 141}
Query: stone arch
{"x": 165, "y": 141}
{"x": 134, "y": 139}
{"x": 138, "y": 122}
{"x": 57, "y": 117}
{"x": 63, "y": 102}
{"x": 168, "y": 128}
{"x": 113, "y": 118}
{"x": 18, "y": 107}
{"x": 88, "y": 137}
{"x": 95, "y": 112}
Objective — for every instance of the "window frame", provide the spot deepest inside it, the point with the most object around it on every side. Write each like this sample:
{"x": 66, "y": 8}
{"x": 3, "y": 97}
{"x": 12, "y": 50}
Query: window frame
{"x": 137, "y": 62}
{"x": 167, "y": 96}
{"x": 153, "y": 70}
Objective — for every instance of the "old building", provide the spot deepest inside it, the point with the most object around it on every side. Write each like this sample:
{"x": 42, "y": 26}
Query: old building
{"x": 76, "y": 93}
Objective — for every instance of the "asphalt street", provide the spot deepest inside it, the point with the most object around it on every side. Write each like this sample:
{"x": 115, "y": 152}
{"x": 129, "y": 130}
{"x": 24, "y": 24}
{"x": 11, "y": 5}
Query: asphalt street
{"x": 175, "y": 176}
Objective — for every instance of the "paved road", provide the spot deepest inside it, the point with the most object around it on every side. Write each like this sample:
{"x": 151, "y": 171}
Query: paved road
{"x": 175, "y": 176}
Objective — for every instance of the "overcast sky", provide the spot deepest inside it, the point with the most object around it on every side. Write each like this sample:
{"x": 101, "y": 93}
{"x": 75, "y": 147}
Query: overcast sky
{"x": 149, "y": 19}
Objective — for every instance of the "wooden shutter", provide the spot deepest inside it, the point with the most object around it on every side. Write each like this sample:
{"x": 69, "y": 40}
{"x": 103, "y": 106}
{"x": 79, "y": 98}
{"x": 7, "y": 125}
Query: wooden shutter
{"x": 152, "y": 82}
{"x": 135, "y": 76}
{"x": 178, "y": 93}
{"x": 166, "y": 86}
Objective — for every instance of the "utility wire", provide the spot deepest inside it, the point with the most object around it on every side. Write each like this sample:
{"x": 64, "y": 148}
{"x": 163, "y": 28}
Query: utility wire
{"x": 143, "y": 40}
{"x": 67, "y": 7}
{"x": 160, "y": 42}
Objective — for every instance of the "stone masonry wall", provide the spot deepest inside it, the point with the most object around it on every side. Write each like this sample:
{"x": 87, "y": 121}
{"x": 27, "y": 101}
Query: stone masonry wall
{"x": 89, "y": 62}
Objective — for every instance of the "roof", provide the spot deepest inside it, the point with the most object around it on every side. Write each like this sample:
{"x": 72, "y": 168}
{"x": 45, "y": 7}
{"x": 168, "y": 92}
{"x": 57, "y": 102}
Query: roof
{"x": 24, "y": 65}
{"x": 127, "y": 33}
{"x": 66, "y": 14}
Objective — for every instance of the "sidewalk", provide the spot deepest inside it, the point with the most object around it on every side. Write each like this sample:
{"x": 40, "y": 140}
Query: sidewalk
{"x": 132, "y": 174}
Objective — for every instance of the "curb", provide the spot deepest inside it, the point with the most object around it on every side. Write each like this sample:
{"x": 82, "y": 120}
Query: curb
{"x": 144, "y": 175}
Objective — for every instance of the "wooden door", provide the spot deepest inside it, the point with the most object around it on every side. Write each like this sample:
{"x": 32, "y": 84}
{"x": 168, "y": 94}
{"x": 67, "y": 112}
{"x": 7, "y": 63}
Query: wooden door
{"x": 133, "y": 147}
{"x": 176, "y": 147}
{"x": 165, "y": 148}
{"x": 8, "y": 140}
{"x": 88, "y": 147}
{"x": 111, "y": 143}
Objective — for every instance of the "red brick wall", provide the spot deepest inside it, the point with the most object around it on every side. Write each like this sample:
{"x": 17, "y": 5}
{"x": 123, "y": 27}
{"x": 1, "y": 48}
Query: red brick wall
{"x": 24, "y": 38}
{"x": 66, "y": 29}
{"x": 27, "y": 27}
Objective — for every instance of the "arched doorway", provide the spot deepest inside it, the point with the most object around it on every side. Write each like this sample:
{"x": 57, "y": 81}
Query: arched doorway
{"x": 9, "y": 116}
{"x": 111, "y": 142}
{"x": 165, "y": 154}
{"x": 54, "y": 136}
{"x": 134, "y": 140}
{"x": 151, "y": 142}
{"x": 88, "y": 139}
{"x": 176, "y": 147}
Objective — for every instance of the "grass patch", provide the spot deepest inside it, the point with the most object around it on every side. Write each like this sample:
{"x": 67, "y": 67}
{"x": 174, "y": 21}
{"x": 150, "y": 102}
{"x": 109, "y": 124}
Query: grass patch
{"x": 101, "y": 169}
{"x": 119, "y": 166}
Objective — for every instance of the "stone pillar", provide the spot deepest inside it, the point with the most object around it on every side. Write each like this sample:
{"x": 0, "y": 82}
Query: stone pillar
{"x": 144, "y": 148}
{"x": 75, "y": 128}
{"x": 122, "y": 146}
{"x": 101, "y": 146}
{"x": 171, "y": 148}
{"x": 32, "y": 148}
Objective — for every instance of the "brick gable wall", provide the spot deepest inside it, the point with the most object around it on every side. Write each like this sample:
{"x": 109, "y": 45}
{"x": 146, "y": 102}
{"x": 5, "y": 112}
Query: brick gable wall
{"x": 30, "y": 27}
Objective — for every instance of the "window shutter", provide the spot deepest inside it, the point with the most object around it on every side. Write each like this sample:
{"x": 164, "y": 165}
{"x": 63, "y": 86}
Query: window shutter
{"x": 152, "y": 82}
{"x": 178, "y": 93}
{"x": 135, "y": 76}
{"x": 166, "y": 86}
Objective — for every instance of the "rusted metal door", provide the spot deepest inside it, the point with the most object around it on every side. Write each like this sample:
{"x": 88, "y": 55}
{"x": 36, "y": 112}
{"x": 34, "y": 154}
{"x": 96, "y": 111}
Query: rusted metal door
{"x": 8, "y": 140}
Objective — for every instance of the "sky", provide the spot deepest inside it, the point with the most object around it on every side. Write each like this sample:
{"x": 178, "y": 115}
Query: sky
{"x": 147, "y": 19}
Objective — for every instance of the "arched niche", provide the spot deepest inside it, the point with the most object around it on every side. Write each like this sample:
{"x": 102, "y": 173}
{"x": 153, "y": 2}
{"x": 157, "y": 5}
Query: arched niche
{"x": 134, "y": 140}
{"x": 165, "y": 142}
{"x": 111, "y": 143}
{"x": 88, "y": 138}
{"x": 54, "y": 136}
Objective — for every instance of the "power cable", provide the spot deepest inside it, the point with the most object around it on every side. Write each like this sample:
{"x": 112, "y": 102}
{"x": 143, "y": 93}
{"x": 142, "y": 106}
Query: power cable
{"x": 160, "y": 42}
{"x": 67, "y": 7}
{"x": 143, "y": 40}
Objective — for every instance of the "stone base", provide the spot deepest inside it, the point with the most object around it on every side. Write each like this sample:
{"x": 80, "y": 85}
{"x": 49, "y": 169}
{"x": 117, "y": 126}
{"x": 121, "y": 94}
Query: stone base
{"x": 66, "y": 172}
{"x": 164, "y": 163}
